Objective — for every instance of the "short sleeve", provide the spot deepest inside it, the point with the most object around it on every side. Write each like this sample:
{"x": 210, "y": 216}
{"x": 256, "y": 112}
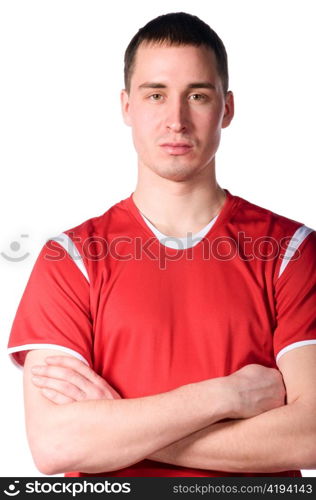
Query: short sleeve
{"x": 295, "y": 295}
{"x": 54, "y": 310}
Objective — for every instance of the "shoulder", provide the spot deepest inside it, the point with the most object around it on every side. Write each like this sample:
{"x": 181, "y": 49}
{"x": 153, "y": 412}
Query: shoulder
{"x": 101, "y": 225}
{"x": 262, "y": 222}
{"x": 289, "y": 243}
{"x": 95, "y": 230}
{"x": 84, "y": 244}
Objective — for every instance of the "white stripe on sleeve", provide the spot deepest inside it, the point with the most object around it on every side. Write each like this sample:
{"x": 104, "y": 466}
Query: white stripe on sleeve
{"x": 29, "y": 347}
{"x": 298, "y": 237}
{"x": 67, "y": 243}
{"x": 294, "y": 346}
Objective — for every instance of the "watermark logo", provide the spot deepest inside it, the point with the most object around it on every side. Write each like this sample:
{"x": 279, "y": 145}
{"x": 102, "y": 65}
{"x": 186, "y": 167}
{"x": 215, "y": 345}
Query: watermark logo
{"x": 12, "y": 490}
{"x": 15, "y": 247}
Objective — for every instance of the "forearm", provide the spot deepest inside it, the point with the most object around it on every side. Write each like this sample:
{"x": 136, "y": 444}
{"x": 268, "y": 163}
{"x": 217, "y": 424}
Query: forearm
{"x": 105, "y": 435}
{"x": 277, "y": 440}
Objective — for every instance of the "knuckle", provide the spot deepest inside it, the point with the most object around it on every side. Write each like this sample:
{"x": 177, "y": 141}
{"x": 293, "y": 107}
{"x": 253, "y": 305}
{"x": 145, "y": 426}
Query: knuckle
{"x": 69, "y": 362}
{"x": 98, "y": 393}
{"x": 94, "y": 376}
{"x": 52, "y": 394}
{"x": 80, "y": 395}
{"x": 68, "y": 387}
{"x": 76, "y": 363}
{"x": 103, "y": 386}
{"x": 72, "y": 377}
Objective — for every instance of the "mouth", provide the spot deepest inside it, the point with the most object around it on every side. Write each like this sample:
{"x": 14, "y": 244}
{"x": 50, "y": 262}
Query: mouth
{"x": 176, "y": 148}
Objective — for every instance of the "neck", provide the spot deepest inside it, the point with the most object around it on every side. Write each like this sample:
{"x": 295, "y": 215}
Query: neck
{"x": 178, "y": 207}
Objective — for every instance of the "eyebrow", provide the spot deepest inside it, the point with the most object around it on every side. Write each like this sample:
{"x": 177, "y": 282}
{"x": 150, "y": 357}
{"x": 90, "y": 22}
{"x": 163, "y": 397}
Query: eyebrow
{"x": 194, "y": 85}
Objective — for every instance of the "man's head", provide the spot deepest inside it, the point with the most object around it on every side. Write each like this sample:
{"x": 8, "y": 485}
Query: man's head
{"x": 177, "y": 29}
{"x": 176, "y": 98}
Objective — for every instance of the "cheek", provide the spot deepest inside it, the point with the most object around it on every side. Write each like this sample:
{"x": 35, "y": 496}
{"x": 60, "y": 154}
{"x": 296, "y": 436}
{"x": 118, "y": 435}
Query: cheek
{"x": 210, "y": 126}
{"x": 144, "y": 127}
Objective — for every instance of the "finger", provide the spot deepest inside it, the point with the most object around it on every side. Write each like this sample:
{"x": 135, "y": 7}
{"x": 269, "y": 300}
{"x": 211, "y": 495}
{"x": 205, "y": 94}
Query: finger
{"x": 61, "y": 386}
{"x": 61, "y": 373}
{"x": 78, "y": 366}
{"x": 56, "y": 397}
{"x": 66, "y": 375}
{"x": 84, "y": 370}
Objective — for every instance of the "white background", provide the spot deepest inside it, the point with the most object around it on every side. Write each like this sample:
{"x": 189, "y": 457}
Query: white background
{"x": 66, "y": 155}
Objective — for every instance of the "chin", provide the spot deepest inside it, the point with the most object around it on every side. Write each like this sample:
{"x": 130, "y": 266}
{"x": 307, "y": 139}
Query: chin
{"x": 176, "y": 170}
{"x": 175, "y": 173}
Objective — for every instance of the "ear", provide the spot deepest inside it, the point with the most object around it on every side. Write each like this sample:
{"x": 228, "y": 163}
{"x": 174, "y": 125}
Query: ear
{"x": 229, "y": 109}
{"x": 125, "y": 107}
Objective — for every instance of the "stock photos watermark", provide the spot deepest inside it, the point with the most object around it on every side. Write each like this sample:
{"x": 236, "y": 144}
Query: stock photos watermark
{"x": 61, "y": 487}
{"x": 136, "y": 248}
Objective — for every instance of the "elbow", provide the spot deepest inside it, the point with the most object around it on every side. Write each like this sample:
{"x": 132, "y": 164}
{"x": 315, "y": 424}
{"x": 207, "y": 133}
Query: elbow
{"x": 309, "y": 458}
{"x": 46, "y": 463}
{"x": 46, "y": 467}
{"x": 52, "y": 458}
{"x": 52, "y": 455}
{"x": 308, "y": 446}
{"x": 306, "y": 453}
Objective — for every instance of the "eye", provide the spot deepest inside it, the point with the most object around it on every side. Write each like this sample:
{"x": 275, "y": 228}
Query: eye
{"x": 155, "y": 97}
{"x": 198, "y": 97}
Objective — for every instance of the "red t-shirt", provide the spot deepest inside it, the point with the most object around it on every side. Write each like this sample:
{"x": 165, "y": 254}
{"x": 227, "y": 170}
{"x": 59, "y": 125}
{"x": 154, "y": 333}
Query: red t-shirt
{"x": 149, "y": 318}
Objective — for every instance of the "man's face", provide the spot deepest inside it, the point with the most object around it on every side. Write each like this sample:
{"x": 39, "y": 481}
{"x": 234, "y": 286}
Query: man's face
{"x": 176, "y": 108}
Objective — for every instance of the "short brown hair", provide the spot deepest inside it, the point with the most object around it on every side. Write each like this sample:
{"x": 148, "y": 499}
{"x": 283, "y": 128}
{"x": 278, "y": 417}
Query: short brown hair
{"x": 177, "y": 28}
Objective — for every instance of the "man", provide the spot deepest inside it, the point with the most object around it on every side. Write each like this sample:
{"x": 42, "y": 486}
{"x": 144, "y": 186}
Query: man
{"x": 200, "y": 350}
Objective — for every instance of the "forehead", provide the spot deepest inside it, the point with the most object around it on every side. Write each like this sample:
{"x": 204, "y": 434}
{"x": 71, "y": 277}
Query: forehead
{"x": 183, "y": 63}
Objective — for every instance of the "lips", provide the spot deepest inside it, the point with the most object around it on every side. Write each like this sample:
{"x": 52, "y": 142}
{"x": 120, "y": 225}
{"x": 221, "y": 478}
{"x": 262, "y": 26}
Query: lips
{"x": 176, "y": 148}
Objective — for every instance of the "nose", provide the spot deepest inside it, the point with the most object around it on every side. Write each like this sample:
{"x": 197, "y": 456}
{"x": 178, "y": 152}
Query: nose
{"x": 176, "y": 116}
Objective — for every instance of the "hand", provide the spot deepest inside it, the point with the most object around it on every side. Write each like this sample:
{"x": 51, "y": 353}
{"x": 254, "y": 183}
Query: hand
{"x": 65, "y": 379}
{"x": 256, "y": 389}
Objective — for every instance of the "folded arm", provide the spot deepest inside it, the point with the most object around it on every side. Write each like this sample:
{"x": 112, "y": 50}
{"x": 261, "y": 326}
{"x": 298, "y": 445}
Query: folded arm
{"x": 92, "y": 431}
{"x": 283, "y": 438}
{"x": 109, "y": 434}
{"x": 274, "y": 441}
